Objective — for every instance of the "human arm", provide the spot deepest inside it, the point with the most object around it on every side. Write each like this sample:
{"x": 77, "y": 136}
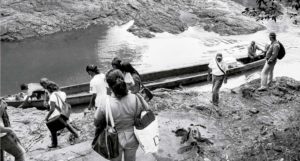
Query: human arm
{"x": 52, "y": 108}
{"x": 5, "y": 129}
{"x": 24, "y": 103}
{"x": 99, "y": 118}
{"x": 92, "y": 101}
{"x": 209, "y": 71}
{"x": 225, "y": 73}
{"x": 258, "y": 48}
{"x": 93, "y": 91}
{"x": 274, "y": 53}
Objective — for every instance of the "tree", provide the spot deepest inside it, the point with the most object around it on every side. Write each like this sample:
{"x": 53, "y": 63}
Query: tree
{"x": 272, "y": 9}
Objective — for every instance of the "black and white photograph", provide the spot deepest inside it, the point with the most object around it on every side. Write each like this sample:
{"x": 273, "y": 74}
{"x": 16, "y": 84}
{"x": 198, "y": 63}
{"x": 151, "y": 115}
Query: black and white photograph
{"x": 150, "y": 80}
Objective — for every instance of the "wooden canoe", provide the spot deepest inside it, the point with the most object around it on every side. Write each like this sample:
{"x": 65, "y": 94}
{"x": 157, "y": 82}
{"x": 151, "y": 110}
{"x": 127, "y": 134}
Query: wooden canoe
{"x": 78, "y": 94}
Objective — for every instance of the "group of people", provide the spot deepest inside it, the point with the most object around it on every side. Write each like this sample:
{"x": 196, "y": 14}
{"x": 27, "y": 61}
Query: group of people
{"x": 217, "y": 72}
{"x": 119, "y": 88}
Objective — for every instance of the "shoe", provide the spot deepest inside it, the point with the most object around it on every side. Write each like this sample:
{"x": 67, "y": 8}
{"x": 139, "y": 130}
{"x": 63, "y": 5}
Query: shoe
{"x": 262, "y": 89}
{"x": 52, "y": 146}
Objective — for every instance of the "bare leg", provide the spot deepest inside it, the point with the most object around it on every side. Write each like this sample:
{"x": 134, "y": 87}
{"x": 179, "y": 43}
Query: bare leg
{"x": 72, "y": 130}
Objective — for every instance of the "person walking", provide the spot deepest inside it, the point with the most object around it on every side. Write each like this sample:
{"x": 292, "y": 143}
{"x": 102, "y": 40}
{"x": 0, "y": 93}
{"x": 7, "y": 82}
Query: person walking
{"x": 98, "y": 86}
{"x": 9, "y": 141}
{"x": 55, "y": 120}
{"x": 271, "y": 59}
{"x": 217, "y": 73}
{"x": 132, "y": 77}
{"x": 124, "y": 106}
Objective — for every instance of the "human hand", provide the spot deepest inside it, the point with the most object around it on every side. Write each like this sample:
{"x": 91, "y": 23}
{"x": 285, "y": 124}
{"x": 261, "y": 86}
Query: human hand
{"x": 225, "y": 80}
{"x": 270, "y": 62}
{"x": 208, "y": 77}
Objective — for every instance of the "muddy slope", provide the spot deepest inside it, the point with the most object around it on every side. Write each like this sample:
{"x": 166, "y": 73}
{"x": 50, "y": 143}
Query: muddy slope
{"x": 22, "y": 19}
{"x": 252, "y": 126}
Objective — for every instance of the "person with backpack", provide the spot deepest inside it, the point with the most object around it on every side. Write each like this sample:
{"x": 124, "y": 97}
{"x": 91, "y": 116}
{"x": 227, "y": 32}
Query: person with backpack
{"x": 275, "y": 51}
{"x": 217, "y": 68}
{"x": 58, "y": 116}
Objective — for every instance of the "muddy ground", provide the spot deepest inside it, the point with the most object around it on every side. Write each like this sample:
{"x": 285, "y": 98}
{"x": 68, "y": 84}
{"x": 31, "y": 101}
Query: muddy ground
{"x": 248, "y": 125}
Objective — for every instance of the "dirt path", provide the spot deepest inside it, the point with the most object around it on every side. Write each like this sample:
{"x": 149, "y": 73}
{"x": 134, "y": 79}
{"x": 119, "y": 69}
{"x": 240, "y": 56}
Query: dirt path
{"x": 252, "y": 126}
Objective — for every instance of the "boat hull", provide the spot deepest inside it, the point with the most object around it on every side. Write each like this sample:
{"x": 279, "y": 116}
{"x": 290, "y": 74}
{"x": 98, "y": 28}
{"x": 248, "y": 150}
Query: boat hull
{"x": 78, "y": 94}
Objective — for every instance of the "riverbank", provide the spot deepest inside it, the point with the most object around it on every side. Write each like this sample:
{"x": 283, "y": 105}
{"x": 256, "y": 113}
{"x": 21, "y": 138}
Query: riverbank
{"x": 253, "y": 126}
{"x": 24, "y": 19}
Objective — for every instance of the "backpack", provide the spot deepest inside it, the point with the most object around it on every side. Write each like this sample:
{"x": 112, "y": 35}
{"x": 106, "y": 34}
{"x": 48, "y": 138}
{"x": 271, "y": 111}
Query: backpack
{"x": 65, "y": 108}
{"x": 281, "y": 52}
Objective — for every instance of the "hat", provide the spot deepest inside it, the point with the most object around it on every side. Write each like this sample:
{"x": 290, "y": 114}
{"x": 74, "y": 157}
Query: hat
{"x": 272, "y": 34}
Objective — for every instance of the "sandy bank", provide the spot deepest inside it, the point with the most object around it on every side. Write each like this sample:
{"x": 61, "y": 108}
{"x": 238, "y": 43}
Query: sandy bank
{"x": 253, "y": 126}
{"x": 22, "y": 19}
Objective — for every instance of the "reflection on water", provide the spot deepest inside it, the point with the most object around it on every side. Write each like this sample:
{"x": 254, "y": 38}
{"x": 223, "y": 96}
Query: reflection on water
{"x": 62, "y": 57}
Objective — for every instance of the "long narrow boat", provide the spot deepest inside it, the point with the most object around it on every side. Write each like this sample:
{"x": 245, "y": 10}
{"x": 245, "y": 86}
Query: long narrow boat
{"x": 78, "y": 94}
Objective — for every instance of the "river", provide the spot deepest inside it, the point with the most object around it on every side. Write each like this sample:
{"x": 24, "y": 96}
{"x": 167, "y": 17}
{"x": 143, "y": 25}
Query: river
{"x": 62, "y": 57}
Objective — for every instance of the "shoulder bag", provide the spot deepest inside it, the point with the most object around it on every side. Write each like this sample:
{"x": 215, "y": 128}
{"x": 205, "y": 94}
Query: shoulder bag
{"x": 140, "y": 122}
{"x": 107, "y": 142}
{"x": 65, "y": 109}
{"x": 147, "y": 94}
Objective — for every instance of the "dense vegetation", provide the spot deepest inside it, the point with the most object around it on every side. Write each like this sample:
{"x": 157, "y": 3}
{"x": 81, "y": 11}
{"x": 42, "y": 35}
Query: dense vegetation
{"x": 272, "y": 9}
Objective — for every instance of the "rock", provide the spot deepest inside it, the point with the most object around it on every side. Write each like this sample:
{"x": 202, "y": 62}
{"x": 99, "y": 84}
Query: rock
{"x": 36, "y": 18}
{"x": 278, "y": 149}
{"x": 265, "y": 120}
{"x": 254, "y": 111}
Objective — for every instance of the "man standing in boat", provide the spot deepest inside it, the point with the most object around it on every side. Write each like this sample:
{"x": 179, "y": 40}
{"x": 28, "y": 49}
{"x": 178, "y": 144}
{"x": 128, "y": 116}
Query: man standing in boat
{"x": 98, "y": 86}
{"x": 217, "y": 72}
{"x": 252, "y": 51}
{"x": 271, "y": 59}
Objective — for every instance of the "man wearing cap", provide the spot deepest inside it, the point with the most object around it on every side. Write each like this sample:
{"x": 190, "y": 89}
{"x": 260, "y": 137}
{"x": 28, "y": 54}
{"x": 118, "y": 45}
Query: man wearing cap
{"x": 218, "y": 69}
{"x": 271, "y": 59}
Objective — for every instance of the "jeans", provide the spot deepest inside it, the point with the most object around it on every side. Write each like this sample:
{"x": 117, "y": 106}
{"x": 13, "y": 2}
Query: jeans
{"x": 57, "y": 123}
{"x": 128, "y": 146}
{"x": 12, "y": 146}
{"x": 217, "y": 83}
{"x": 267, "y": 74}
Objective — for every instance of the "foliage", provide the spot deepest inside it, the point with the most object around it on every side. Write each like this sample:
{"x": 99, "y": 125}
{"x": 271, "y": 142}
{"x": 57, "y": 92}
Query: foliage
{"x": 272, "y": 9}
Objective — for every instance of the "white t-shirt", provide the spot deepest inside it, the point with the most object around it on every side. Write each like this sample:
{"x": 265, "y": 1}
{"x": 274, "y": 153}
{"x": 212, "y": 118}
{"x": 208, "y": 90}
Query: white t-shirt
{"x": 215, "y": 69}
{"x": 98, "y": 86}
{"x": 57, "y": 101}
{"x": 128, "y": 79}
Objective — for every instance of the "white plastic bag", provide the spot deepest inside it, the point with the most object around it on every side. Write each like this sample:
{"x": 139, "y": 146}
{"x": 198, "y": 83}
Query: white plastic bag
{"x": 148, "y": 137}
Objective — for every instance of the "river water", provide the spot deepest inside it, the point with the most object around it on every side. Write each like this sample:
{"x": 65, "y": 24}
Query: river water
{"x": 62, "y": 57}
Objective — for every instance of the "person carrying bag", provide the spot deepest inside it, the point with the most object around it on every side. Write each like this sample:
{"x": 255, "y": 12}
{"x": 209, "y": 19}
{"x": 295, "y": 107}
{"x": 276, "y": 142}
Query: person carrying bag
{"x": 123, "y": 109}
{"x": 57, "y": 118}
{"x": 146, "y": 128}
{"x": 107, "y": 142}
